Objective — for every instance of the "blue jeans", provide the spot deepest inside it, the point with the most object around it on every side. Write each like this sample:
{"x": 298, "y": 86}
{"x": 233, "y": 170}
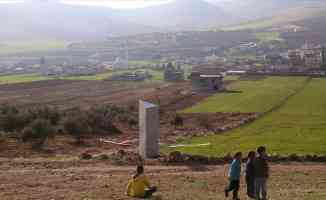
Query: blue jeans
{"x": 233, "y": 186}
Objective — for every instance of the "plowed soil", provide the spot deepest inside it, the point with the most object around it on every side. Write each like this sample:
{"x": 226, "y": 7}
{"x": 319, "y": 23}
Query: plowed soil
{"x": 94, "y": 180}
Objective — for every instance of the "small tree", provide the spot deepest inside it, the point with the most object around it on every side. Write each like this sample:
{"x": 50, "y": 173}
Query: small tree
{"x": 132, "y": 122}
{"x": 13, "y": 121}
{"x": 177, "y": 121}
{"x": 39, "y": 131}
{"x": 45, "y": 112}
{"x": 75, "y": 127}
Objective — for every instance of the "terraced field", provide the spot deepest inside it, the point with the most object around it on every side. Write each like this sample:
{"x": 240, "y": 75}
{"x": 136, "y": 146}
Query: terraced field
{"x": 44, "y": 45}
{"x": 258, "y": 95}
{"x": 24, "y": 78}
{"x": 297, "y": 126}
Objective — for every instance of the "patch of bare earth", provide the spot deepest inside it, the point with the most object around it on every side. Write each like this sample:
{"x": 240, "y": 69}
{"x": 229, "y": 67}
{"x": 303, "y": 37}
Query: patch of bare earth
{"x": 75, "y": 180}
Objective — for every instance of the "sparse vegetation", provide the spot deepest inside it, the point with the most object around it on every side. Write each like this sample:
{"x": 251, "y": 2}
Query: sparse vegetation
{"x": 38, "y": 131}
{"x": 75, "y": 126}
{"x": 177, "y": 121}
{"x": 39, "y": 122}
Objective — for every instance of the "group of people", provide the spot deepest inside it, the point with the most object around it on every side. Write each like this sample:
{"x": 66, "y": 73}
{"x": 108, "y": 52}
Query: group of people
{"x": 256, "y": 174}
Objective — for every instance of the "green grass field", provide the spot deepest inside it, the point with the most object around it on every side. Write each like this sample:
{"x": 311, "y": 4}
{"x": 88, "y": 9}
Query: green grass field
{"x": 31, "y": 46}
{"x": 268, "y": 36}
{"x": 299, "y": 126}
{"x": 23, "y": 78}
{"x": 250, "y": 95}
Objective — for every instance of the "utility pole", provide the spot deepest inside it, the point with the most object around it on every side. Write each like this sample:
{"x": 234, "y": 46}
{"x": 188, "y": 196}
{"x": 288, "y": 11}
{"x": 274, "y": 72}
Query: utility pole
{"x": 323, "y": 57}
{"x": 127, "y": 53}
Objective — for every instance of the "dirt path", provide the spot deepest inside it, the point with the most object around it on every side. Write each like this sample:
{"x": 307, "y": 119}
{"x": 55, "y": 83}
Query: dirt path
{"x": 81, "y": 180}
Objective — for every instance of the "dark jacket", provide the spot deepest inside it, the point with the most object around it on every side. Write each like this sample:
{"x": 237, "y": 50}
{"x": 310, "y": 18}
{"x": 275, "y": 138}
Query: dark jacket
{"x": 250, "y": 168}
{"x": 261, "y": 168}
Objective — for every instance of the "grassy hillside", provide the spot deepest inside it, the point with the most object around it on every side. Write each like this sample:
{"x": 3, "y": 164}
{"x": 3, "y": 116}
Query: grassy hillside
{"x": 268, "y": 36}
{"x": 298, "y": 126}
{"x": 23, "y": 78}
{"x": 250, "y": 95}
{"x": 30, "y": 46}
{"x": 285, "y": 17}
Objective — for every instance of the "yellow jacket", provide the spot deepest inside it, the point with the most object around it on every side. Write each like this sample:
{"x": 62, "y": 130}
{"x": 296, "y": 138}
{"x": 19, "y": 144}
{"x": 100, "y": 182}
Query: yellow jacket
{"x": 136, "y": 186}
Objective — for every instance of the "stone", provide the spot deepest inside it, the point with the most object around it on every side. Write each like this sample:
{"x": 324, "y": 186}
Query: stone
{"x": 175, "y": 156}
{"x": 148, "y": 130}
{"x": 86, "y": 156}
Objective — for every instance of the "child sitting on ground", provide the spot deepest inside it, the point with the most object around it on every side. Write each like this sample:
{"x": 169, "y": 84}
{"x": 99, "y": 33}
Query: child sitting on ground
{"x": 139, "y": 185}
{"x": 234, "y": 176}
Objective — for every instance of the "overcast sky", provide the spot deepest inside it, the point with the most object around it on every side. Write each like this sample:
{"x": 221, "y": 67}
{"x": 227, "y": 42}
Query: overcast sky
{"x": 120, "y": 4}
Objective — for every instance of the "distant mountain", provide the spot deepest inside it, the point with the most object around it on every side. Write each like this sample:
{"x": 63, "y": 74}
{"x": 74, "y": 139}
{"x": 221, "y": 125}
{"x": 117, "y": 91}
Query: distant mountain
{"x": 181, "y": 15}
{"x": 52, "y": 20}
{"x": 257, "y": 9}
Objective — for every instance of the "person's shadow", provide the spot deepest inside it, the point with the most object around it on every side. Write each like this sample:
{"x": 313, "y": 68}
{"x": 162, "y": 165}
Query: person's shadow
{"x": 156, "y": 197}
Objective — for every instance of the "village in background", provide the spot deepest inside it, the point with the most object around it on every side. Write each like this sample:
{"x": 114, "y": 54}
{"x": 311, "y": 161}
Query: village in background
{"x": 88, "y": 94}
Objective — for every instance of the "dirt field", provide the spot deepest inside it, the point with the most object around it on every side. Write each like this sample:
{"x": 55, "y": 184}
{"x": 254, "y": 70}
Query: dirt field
{"x": 95, "y": 180}
{"x": 65, "y": 93}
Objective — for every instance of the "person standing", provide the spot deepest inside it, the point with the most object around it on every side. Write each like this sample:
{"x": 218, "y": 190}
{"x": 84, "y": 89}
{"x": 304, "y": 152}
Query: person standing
{"x": 250, "y": 174}
{"x": 261, "y": 174}
{"x": 234, "y": 176}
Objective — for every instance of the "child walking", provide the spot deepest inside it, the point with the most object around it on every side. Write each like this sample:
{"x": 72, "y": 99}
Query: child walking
{"x": 234, "y": 176}
{"x": 250, "y": 175}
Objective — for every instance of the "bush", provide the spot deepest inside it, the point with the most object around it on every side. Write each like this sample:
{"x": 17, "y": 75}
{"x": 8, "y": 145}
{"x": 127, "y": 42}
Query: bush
{"x": 13, "y": 121}
{"x": 100, "y": 118}
{"x": 177, "y": 121}
{"x": 6, "y": 108}
{"x": 75, "y": 126}
{"x": 45, "y": 112}
{"x": 132, "y": 108}
{"x": 39, "y": 131}
{"x": 27, "y": 134}
{"x": 132, "y": 122}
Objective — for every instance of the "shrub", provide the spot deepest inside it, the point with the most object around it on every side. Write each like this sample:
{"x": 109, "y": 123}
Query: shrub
{"x": 46, "y": 112}
{"x": 13, "y": 121}
{"x": 132, "y": 122}
{"x": 6, "y": 108}
{"x": 75, "y": 126}
{"x": 177, "y": 121}
{"x": 100, "y": 118}
{"x": 132, "y": 108}
{"x": 39, "y": 131}
{"x": 27, "y": 134}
